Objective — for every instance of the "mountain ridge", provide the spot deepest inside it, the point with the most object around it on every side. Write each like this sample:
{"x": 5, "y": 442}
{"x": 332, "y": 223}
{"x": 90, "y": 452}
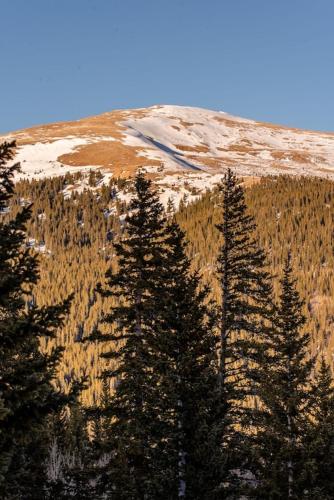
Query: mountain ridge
{"x": 184, "y": 149}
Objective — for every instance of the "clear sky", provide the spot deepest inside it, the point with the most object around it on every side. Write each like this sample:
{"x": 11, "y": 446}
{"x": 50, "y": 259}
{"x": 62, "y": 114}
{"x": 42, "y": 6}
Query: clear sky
{"x": 269, "y": 60}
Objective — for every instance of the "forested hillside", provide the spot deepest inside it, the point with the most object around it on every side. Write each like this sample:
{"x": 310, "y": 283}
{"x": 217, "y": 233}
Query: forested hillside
{"x": 293, "y": 214}
{"x": 74, "y": 233}
{"x": 160, "y": 382}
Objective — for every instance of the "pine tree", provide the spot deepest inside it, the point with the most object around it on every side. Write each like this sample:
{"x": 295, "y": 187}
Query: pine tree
{"x": 245, "y": 309}
{"x": 70, "y": 456}
{"x": 166, "y": 380}
{"x": 102, "y": 424}
{"x": 283, "y": 387}
{"x": 182, "y": 399}
{"x": 56, "y": 462}
{"x": 141, "y": 261}
{"x": 170, "y": 209}
{"x": 26, "y": 374}
{"x": 79, "y": 453}
{"x": 102, "y": 437}
{"x": 320, "y": 441}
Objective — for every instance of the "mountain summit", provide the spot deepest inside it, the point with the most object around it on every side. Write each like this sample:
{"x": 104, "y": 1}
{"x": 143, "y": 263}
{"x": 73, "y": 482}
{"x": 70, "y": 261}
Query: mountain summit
{"x": 172, "y": 141}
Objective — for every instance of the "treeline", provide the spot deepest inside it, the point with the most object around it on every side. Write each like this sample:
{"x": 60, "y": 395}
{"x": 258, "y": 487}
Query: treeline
{"x": 201, "y": 399}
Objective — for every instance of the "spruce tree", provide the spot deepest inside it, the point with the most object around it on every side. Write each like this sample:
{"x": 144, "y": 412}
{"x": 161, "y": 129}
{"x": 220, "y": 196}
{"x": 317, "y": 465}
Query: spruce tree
{"x": 79, "y": 455}
{"x": 183, "y": 394}
{"x": 101, "y": 422}
{"x": 101, "y": 442}
{"x": 165, "y": 389}
{"x": 26, "y": 374}
{"x": 283, "y": 378}
{"x": 141, "y": 261}
{"x": 245, "y": 310}
{"x": 320, "y": 441}
{"x": 70, "y": 456}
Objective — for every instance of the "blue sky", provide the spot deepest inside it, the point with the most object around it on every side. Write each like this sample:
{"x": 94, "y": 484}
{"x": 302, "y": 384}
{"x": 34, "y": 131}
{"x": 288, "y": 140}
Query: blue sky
{"x": 269, "y": 60}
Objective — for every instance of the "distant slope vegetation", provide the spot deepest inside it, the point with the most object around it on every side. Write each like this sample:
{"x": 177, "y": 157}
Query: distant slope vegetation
{"x": 292, "y": 214}
{"x": 74, "y": 235}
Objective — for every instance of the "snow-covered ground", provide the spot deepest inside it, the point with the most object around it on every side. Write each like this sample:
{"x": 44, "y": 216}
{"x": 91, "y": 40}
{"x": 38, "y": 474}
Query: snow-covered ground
{"x": 40, "y": 159}
{"x": 168, "y": 133}
{"x": 187, "y": 137}
{"x": 185, "y": 149}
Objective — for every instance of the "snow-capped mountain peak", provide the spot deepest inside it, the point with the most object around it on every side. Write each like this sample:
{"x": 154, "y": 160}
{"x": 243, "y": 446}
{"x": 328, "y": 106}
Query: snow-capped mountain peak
{"x": 175, "y": 144}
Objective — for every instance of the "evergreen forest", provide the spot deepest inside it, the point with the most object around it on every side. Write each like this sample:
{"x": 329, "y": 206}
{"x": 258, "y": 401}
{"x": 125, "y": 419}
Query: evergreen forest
{"x": 150, "y": 353}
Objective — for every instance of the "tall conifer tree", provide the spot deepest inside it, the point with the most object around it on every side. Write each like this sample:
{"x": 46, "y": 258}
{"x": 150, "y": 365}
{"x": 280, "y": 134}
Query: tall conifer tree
{"x": 246, "y": 308}
{"x": 165, "y": 374}
{"x": 26, "y": 374}
{"x": 283, "y": 380}
{"x": 320, "y": 480}
{"x": 141, "y": 261}
{"x": 183, "y": 394}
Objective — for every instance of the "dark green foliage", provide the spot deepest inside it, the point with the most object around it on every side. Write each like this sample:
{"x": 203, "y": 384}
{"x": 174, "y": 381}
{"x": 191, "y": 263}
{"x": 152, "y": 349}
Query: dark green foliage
{"x": 141, "y": 261}
{"x": 282, "y": 379}
{"x": 102, "y": 422}
{"x": 320, "y": 441}
{"x": 26, "y": 374}
{"x": 184, "y": 389}
{"x": 102, "y": 442}
{"x": 166, "y": 363}
{"x": 71, "y": 460}
{"x": 246, "y": 308}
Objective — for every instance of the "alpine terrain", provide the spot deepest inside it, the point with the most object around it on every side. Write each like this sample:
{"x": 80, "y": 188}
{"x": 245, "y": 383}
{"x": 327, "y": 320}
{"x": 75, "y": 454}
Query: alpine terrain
{"x": 184, "y": 149}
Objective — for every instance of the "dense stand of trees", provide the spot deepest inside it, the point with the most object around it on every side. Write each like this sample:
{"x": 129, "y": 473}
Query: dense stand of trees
{"x": 289, "y": 212}
{"x": 200, "y": 399}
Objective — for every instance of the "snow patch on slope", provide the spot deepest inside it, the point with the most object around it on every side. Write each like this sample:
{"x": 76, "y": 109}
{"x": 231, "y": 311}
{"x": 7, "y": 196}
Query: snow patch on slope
{"x": 176, "y": 187}
{"x": 40, "y": 160}
{"x": 167, "y": 131}
{"x": 188, "y": 137}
